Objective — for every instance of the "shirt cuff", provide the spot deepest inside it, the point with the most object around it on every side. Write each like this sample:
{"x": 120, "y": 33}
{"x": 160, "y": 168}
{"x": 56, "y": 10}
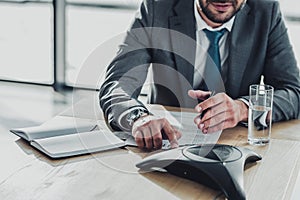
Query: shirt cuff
{"x": 245, "y": 101}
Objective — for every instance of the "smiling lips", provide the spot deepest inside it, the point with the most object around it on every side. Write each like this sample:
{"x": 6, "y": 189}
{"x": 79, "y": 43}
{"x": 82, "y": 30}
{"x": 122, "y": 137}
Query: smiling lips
{"x": 222, "y": 7}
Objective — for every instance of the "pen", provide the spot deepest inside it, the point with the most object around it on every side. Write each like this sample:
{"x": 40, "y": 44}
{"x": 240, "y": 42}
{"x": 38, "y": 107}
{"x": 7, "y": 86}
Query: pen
{"x": 204, "y": 111}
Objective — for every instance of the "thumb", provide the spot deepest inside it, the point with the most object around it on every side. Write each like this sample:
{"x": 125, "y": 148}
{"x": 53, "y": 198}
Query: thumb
{"x": 199, "y": 94}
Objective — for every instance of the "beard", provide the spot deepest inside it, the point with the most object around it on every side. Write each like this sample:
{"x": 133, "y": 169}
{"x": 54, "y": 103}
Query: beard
{"x": 214, "y": 17}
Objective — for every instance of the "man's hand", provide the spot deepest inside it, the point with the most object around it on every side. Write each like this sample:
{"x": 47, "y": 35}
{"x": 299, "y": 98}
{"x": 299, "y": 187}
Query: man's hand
{"x": 149, "y": 132}
{"x": 220, "y": 111}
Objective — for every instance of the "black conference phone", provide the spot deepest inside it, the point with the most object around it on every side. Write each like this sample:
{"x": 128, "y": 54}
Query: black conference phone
{"x": 217, "y": 166}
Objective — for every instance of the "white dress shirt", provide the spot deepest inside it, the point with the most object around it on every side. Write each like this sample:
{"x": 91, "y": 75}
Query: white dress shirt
{"x": 203, "y": 45}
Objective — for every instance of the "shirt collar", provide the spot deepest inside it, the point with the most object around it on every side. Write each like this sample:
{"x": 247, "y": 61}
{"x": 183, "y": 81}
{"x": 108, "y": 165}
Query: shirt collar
{"x": 201, "y": 24}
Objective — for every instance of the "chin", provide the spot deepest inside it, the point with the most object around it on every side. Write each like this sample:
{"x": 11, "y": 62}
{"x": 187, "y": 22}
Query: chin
{"x": 222, "y": 18}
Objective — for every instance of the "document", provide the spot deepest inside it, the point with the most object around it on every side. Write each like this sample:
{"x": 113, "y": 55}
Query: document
{"x": 191, "y": 135}
{"x": 184, "y": 122}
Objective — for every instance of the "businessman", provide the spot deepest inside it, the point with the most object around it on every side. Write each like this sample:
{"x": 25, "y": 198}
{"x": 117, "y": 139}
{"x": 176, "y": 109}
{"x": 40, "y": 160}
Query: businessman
{"x": 194, "y": 48}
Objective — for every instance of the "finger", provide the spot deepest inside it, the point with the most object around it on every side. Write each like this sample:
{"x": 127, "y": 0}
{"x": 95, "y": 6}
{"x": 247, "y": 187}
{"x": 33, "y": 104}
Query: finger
{"x": 148, "y": 138}
{"x": 156, "y": 137}
{"x": 177, "y": 133}
{"x": 171, "y": 134}
{"x": 198, "y": 123}
{"x": 213, "y": 121}
{"x": 209, "y": 103}
{"x": 197, "y": 120}
{"x": 139, "y": 139}
{"x": 199, "y": 94}
{"x": 218, "y": 127}
{"x": 213, "y": 112}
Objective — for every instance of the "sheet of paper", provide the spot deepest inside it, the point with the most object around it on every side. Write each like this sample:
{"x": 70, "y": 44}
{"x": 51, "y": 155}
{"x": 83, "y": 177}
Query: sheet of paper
{"x": 190, "y": 133}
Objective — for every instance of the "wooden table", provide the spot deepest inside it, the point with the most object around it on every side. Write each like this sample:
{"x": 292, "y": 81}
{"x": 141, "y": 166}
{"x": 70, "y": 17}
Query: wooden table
{"x": 27, "y": 174}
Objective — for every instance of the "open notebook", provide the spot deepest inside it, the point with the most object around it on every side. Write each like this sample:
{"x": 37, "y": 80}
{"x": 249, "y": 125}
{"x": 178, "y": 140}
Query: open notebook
{"x": 64, "y": 136}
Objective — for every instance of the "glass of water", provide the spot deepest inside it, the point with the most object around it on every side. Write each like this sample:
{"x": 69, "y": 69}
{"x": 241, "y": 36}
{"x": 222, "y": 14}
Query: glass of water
{"x": 260, "y": 114}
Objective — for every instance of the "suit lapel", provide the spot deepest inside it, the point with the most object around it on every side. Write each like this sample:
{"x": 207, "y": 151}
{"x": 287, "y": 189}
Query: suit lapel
{"x": 184, "y": 22}
{"x": 241, "y": 42}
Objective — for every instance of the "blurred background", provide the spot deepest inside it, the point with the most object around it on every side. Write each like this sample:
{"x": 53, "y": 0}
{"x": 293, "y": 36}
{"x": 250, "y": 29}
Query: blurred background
{"x": 46, "y": 42}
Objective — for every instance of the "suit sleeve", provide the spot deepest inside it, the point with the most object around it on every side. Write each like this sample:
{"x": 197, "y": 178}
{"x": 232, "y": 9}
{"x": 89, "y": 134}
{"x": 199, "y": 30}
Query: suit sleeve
{"x": 127, "y": 72}
{"x": 281, "y": 70}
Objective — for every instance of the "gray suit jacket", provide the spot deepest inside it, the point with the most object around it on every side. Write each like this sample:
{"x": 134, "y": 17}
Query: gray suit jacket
{"x": 163, "y": 34}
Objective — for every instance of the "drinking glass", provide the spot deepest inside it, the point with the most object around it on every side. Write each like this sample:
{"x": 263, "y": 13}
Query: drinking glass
{"x": 260, "y": 114}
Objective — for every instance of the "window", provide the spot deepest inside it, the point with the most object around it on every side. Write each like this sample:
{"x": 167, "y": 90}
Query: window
{"x": 26, "y": 41}
{"x": 91, "y": 26}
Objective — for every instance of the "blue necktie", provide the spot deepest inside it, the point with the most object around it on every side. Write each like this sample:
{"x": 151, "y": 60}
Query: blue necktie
{"x": 213, "y": 50}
